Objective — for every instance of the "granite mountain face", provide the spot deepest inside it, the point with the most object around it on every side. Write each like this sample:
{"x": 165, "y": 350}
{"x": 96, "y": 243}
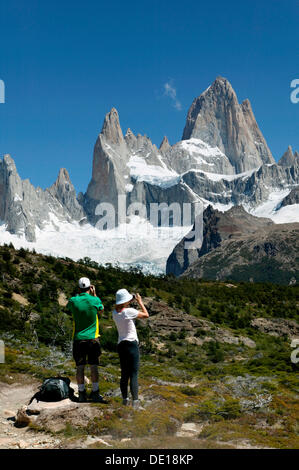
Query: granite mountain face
{"x": 292, "y": 198}
{"x": 25, "y": 209}
{"x": 270, "y": 255}
{"x": 289, "y": 159}
{"x": 217, "y": 227}
{"x": 218, "y": 119}
{"x": 222, "y": 160}
{"x": 237, "y": 245}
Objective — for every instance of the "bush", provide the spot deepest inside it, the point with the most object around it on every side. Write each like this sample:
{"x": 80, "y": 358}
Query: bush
{"x": 22, "y": 253}
{"x": 214, "y": 351}
{"x": 54, "y": 327}
{"x": 186, "y": 306}
{"x": 172, "y": 336}
{"x": 200, "y": 332}
{"x": 230, "y": 409}
{"x": 190, "y": 391}
{"x": 10, "y": 321}
{"x": 215, "y": 409}
{"x": 182, "y": 334}
{"x": 6, "y": 255}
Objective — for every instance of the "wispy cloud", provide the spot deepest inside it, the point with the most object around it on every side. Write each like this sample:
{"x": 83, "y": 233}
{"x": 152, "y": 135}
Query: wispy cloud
{"x": 170, "y": 91}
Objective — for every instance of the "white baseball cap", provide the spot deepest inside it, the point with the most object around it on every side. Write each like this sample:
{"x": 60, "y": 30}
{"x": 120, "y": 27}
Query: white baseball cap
{"x": 84, "y": 283}
{"x": 123, "y": 296}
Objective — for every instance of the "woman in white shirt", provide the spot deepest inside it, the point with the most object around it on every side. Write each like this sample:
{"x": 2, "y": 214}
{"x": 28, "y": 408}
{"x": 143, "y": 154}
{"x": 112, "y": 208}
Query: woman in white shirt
{"x": 128, "y": 343}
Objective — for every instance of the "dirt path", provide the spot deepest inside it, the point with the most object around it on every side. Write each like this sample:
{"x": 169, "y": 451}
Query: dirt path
{"x": 17, "y": 395}
{"x": 12, "y": 398}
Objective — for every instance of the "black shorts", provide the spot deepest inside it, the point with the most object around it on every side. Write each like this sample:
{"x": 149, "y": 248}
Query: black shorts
{"x": 87, "y": 348}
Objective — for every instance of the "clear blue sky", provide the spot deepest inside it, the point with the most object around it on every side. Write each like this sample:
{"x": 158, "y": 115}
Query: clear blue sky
{"x": 66, "y": 63}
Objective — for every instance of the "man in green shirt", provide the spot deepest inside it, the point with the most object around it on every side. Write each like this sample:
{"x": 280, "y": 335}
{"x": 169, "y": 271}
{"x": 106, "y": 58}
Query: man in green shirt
{"x": 85, "y": 309}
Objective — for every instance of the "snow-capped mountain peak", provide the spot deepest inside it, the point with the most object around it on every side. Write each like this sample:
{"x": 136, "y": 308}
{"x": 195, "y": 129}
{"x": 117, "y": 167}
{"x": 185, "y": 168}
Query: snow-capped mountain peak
{"x": 222, "y": 160}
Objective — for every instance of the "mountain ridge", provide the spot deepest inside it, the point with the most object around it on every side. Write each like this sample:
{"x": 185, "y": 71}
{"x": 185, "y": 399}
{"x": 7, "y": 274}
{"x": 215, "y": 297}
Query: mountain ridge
{"x": 236, "y": 243}
{"x": 190, "y": 171}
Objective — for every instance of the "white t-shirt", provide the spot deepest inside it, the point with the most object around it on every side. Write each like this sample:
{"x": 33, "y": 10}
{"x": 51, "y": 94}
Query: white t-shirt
{"x": 124, "y": 321}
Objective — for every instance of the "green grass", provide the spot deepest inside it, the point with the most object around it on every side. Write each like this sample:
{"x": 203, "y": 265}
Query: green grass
{"x": 39, "y": 346}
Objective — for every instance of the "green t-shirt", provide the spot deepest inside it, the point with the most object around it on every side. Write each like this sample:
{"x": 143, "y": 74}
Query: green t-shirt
{"x": 84, "y": 308}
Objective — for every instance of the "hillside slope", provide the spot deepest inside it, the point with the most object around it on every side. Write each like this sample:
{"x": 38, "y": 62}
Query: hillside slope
{"x": 215, "y": 359}
{"x": 241, "y": 247}
{"x": 270, "y": 255}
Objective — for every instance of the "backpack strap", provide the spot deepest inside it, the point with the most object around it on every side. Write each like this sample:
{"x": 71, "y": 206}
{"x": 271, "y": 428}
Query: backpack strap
{"x": 36, "y": 396}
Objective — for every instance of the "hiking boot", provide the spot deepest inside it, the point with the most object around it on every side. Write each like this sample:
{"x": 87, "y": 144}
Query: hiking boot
{"x": 82, "y": 397}
{"x": 136, "y": 405}
{"x": 126, "y": 401}
{"x": 97, "y": 398}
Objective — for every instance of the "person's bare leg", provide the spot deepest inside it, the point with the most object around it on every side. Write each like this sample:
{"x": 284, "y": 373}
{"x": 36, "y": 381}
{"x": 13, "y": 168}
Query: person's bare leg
{"x": 95, "y": 394}
{"x": 94, "y": 373}
{"x": 81, "y": 384}
{"x": 80, "y": 376}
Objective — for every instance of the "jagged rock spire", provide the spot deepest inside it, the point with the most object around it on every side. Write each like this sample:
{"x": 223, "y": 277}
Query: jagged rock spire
{"x": 64, "y": 191}
{"x": 63, "y": 177}
{"x": 288, "y": 158}
{"x": 129, "y": 133}
{"x": 218, "y": 119}
{"x": 62, "y": 184}
{"x": 111, "y": 129}
{"x": 24, "y": 207}
{"x": 130, "y": 138}
{"x": 165, "y": 145}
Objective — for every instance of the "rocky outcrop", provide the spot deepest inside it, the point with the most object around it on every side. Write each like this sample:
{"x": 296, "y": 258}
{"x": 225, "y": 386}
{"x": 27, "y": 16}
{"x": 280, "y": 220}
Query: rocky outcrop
{"x": 217, "y": 227}
{"x": 195, "y": 155}
{"x": 164, "y": 320}
{"x": 277, "y": 327}
{"x": 291, "y": 198}
{"x": 22, "y": 419}
{"x": 266, "y": 255}
{"x": 289, "y": 158}
{"x": 64, "y": 191}
{"x": 24, "y": 207}
{"x": 165, "y": 145}
{"x": 218, "y": 119}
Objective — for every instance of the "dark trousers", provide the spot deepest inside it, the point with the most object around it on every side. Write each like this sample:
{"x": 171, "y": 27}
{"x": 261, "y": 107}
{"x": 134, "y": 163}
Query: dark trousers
{"x": 129, "y": 362}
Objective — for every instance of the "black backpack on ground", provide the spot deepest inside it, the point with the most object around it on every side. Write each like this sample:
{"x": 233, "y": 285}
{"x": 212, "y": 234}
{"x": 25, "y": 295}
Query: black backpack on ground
{"x": 54, "y": 389}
